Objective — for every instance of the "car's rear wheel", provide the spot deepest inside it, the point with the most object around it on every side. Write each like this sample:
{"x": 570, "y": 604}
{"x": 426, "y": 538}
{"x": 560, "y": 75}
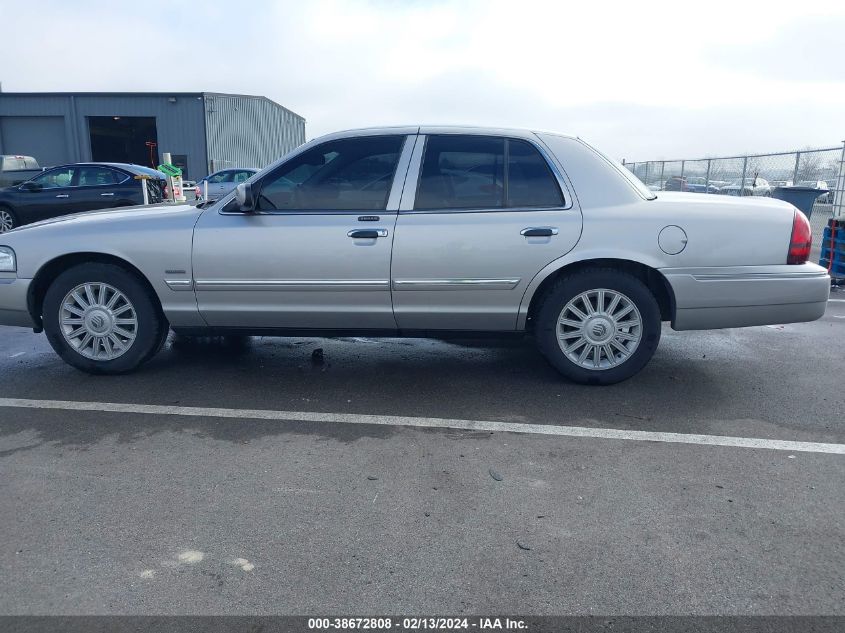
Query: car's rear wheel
{"x": 8, "y": 221}
{"x": 598, "y": 326}
{"x": 102, "y": 319}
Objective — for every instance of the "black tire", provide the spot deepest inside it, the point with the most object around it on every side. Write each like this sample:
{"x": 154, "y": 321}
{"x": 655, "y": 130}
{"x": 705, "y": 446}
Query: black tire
{"x": 165, "y": 332}
{"x": 152, "y": 328}
{"x": 571, "y": 286}
{"x": 7, "y": 214}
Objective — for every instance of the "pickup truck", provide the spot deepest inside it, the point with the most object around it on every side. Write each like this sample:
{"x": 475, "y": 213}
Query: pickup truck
{"x": 17, "y": 169}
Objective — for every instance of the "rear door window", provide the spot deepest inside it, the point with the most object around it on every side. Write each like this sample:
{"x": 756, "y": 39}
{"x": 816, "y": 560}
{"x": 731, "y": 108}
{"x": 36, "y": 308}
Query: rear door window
{"x": 484, "y": 172}
{"x": 92, "y": 176}
{"x": 462, "y": 172}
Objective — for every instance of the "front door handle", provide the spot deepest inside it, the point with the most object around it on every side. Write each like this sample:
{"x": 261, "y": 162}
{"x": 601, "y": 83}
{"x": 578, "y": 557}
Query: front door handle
{"x": 63, "y": 195}
{"x": 539, "y": 231}
{"x": 106, "y": 194}
{"x": 367, "y": 233}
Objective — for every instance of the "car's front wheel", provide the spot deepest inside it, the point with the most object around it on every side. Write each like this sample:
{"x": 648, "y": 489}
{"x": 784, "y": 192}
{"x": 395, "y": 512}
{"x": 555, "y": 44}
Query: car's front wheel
{"x": 102, "y": 319}
{"x": 598, "y": 326}
{"x": 8, "y": 221}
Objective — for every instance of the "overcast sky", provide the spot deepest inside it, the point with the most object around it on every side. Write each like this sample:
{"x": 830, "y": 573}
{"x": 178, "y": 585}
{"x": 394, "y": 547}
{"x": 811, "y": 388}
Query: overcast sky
{"x": 638, "y": 79}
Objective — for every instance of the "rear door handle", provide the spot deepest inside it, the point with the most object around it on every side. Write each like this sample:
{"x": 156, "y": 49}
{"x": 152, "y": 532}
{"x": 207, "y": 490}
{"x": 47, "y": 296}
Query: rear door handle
{"x": 367, "y": 233}
{"x": 63, "y": 195}
{"x": 106, "y": 194}
{"x": 539, "y": 231}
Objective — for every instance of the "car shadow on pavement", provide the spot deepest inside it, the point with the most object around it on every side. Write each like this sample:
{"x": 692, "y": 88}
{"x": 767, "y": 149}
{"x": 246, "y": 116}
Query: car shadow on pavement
{"x": 508, "y": 382}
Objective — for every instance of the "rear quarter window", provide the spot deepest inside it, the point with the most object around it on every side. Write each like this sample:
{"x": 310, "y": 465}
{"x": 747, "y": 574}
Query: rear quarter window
{"x": 531, "y": 182}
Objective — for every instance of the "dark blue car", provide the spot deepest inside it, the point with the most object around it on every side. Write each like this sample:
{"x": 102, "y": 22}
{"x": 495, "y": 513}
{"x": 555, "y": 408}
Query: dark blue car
{"x": 78, "y": 187}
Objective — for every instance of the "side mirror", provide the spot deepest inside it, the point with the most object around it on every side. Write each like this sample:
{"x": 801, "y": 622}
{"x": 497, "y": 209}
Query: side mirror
{"x": 31, "y": 186}
{"x": 245, "y": 196}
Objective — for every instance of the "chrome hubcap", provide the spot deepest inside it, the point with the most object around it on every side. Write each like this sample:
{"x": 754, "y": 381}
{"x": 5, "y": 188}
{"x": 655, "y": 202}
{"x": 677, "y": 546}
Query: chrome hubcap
{"x": 599, "y": 329}
{"x": 98, "y": 321}
{"x": 6, "y": 221}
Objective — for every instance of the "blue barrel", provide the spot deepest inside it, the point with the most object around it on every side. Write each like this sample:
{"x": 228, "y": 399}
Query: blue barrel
{"x": 833, "y": 248}
{"x": 801, "y": 197}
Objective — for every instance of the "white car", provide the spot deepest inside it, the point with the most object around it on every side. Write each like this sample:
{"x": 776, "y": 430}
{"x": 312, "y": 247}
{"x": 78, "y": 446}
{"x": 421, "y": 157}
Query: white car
{"x": 825, "y": 198}
{"x": 750, "y": 187}
{"x": 189, "y": 188}
{"x": 222, "y": 182}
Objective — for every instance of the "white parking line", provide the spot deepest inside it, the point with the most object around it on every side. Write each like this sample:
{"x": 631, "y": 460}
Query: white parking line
{"x": 437, "y": 423}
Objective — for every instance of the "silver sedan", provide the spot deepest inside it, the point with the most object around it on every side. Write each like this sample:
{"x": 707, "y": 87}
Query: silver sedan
{"x": 418, "y": 231}
{"x": 216, "y": 185}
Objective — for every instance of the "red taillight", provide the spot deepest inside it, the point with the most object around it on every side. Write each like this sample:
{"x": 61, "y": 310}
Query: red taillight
{"x": 801, "y": 240}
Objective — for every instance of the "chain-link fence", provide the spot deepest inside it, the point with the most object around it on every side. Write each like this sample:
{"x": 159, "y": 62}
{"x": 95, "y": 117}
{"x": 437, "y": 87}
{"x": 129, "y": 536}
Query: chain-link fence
{"x": 757, "y": 175}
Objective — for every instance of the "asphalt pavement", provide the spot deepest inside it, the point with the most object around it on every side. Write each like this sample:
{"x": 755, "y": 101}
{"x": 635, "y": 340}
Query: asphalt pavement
{"x": 167, "y": 512}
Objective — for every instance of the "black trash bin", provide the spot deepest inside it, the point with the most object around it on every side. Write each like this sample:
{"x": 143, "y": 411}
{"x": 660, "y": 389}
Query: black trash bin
{"x": 801, "y": 197}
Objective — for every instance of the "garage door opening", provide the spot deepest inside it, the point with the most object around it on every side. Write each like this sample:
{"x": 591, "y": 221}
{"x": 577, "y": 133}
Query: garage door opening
{"x": 124, "y": 139}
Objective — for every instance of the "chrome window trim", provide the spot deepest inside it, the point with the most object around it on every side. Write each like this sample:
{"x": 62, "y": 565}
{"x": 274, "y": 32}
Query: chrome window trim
{"x": 412, "y": 182}
{"x": 409, "y": 190}
{"x": 401, "y": 169}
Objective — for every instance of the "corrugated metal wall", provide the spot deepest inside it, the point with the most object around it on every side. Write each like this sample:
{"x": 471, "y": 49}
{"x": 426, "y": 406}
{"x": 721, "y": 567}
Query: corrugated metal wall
{"x": 213, "y": 131}
{"x": 244, "y": 131}
{"x": 40, "y": 136}
{"x": 180, "y": 122}
{"x": 62, "y": 148}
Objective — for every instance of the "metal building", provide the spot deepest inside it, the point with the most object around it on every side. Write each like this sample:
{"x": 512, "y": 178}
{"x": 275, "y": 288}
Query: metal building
{"x": 203, "y": 131}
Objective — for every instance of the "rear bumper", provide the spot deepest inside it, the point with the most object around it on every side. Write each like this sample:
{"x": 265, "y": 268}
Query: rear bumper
{"x": 740, "y": 296}
{"x": 13, "y": 306}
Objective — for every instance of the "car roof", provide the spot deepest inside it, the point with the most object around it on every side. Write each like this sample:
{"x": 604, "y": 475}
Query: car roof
{"x": 130, "y": 167}
{"x": 220, "y": 171}
{"x": 443, "y": 129}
